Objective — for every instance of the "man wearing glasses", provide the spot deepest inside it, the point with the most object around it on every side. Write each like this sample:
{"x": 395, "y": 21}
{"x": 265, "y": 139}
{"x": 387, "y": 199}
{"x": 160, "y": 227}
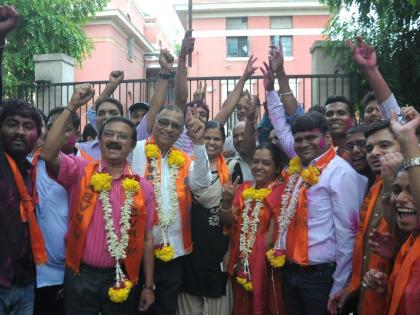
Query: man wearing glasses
{"x": 174, "y": 176}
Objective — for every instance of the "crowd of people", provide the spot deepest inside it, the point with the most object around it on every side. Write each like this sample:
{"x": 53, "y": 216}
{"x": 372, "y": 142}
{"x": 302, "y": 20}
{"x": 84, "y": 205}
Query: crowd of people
{"x": 297, "y": 213}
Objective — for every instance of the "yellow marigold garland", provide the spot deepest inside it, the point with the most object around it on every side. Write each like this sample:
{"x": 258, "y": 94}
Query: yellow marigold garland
{"x": 120, "y": 294}
{"x": 310, "y": 175}
{"x": 176, "y": 158}
{"x": 101, "y": 182}
{"x": 276, "y": 257}
{"x": 255, "y": 194}
{"x": 130, "y": 185}
{"x": 295, "y": 165}
{"x": 152, "y": 151}
{"x": 164, "y": 252}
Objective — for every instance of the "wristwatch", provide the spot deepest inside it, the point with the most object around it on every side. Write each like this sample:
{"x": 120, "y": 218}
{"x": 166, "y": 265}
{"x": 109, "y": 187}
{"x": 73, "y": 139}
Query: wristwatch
{"x": 149, "y": 287}
{"x": 411, "y": 162}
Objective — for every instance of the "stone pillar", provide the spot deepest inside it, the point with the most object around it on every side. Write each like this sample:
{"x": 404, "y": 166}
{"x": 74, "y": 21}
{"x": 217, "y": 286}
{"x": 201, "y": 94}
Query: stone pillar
{"x": 323, "y": 63}
{"x": 51, "y": 71}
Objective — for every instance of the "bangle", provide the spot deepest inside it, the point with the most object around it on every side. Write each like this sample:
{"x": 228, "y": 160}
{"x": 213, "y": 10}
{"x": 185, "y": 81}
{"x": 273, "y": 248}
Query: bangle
{"x": 287, "y": 93}
{"x": 70, "y": 110}
{"x": 225, "y": 210}
{"x": 411, "y": 162}
{"x": 149, "y": 287}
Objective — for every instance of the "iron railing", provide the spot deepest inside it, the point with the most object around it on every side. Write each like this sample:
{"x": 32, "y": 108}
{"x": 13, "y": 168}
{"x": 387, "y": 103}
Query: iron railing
{"x": 309, "y": 90}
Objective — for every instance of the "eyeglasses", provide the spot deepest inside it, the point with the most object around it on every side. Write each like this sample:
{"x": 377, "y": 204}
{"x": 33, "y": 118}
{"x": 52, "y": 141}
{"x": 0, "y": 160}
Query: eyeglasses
{"x": 111, "y": 135}
{"x": 361, "y": 144}
{"x": 166, "y": 123}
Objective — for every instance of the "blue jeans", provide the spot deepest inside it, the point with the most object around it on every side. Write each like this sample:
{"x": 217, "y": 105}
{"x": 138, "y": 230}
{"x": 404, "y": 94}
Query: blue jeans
{"x": 17, "y": 300}
{"x": 306, "y": 289}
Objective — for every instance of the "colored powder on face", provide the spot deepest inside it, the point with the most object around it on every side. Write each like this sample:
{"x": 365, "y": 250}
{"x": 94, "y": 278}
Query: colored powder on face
{"x": 322, "y": 144}
{"x": 32, "y": 137}
{"x": 72, "y": 140}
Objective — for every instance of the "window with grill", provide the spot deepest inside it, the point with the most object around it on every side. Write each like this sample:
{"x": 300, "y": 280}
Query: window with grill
{"x": 286, "y": 42}
{"x": 240, "y": 23}
{"x": 281, "y": 22}
{"x": 237, "y": 46}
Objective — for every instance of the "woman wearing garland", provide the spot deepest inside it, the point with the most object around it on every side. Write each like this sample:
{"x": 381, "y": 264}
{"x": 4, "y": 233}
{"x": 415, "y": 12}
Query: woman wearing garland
{"x": 252, "y": 212}
{"x": 204, "y": 281}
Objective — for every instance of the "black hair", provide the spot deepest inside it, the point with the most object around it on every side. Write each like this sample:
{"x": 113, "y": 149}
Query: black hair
{"x": 44, "y": 118}
{"x": 198, "y": 103}
{"x": 16, "y": 107}
{"x": 317, "y": 108}
{"x": 279, "y": 158}
{"x": 123, "y": 120}
{"x": 140, "y": 105}
{"x": 369, "y": 97}
{"x": 88, "y": 131}
{"x": 110, "y": 100}
{"x": 376, "y": 126}
{"x": 214, "y": 124}
{"x": 342, "y": 99}
{"x": 357, "y": 128}
{"x": 75, "y": 119}
{"x": 310, "y": 121}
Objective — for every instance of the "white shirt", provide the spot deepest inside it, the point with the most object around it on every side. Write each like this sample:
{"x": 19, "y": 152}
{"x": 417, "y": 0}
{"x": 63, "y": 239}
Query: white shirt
{"x": 52, "y": 212}
{"x": 333, "y": 217}
{"x": 199, "y": 176}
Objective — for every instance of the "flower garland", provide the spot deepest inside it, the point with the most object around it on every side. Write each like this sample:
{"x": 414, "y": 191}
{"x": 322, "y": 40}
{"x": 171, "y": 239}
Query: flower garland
{"x": 176, "y": 160}
{"x": 309, "y": 177}
{"x": 101, "y": 183}
{"x": 249, "y": 229}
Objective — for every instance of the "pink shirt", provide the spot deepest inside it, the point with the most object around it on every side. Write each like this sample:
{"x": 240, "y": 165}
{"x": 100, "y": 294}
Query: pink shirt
{"x": 95, "y": 248}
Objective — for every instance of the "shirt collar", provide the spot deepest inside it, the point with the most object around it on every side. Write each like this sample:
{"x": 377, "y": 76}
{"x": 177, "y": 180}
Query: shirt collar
{"x": 127, "y": 169}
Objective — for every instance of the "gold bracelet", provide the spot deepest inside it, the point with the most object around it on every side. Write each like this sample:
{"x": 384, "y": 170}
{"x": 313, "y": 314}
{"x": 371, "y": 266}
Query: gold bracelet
{"x": 225, "y": 210}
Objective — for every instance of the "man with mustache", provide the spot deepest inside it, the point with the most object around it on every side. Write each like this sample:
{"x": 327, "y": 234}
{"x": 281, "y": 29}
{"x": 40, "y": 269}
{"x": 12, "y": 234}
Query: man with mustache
{"x": 110, "y": 220}
{"x": 52, "y": 213}
{"x": 381, "y": 144}
{"x": 173, "y": 176}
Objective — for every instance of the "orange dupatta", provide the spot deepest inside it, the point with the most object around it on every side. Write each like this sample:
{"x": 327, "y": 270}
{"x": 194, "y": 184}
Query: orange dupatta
{"x": 80, "y": 219}
{"x": 297, "y": 233}
{"x": 408, "y": 254}
{"x": 182, "y": 190}
{"x": 222, "y": 170}
{"x": 27, "y": 213}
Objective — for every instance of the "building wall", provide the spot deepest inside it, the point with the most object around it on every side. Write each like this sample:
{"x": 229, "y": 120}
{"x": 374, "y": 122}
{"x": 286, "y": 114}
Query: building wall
{"x": 210, "y": 53}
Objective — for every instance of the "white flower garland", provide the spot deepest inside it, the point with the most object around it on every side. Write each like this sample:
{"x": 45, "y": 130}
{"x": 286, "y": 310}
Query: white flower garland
{"x": 117, "y": 247}
{"x": 165, "y": 219}
{"x": 248, "y": 232}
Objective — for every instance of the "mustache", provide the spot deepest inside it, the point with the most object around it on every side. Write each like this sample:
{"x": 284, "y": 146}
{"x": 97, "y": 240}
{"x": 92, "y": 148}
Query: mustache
{"x": 20, "y": 138}
{"x": 114, "y": 145}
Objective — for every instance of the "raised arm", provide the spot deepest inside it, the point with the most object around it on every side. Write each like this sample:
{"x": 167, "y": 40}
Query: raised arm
{"x": 115, "y": 78}
{"x": 232, "y": 100}
{"x": 8, "y": 20}
{"x": 277, "y": 115}
{"x": 199, "y": 175}
{"x": 55, "y": 138}
{"x": 276, "y": 60}
{"x": 365, "y": 57}
{"x": 181, "y": 86}
{"x": 406, "y": 136}
{"x": 250, "y": 132}
{"x": 166, "y": 61}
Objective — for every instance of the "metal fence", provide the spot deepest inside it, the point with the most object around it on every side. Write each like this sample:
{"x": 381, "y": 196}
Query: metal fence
{"x": 309, "y": 90}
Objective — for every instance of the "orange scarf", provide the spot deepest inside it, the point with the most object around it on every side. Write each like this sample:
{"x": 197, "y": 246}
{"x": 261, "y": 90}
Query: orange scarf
{"x": 297, "y": 233}
{"x": 222, "y": 169}
{"x": 80, "y": 219}
{"x": 183, "y": 193}
{"x": 408, "y": 254}
{"x": 27, "y": 213}
{"x": 370, "y": 303}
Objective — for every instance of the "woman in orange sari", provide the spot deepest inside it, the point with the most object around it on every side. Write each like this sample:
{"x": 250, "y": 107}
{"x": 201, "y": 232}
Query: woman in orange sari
{"x": 403, "y": 286}
{"x": 251, "y": 211}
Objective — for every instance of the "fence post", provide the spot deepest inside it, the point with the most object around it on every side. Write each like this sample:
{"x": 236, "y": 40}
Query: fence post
{"x": 55, "y": 69}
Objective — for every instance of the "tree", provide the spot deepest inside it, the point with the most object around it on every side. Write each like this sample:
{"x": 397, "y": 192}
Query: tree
{"x": 47, "y": 26}
{"x": 393, "y": 28}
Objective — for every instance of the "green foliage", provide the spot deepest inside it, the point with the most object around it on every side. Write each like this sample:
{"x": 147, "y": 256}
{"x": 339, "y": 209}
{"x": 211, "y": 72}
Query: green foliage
{"x": 47, "y": 26}
{"x": 393, "y": 28}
